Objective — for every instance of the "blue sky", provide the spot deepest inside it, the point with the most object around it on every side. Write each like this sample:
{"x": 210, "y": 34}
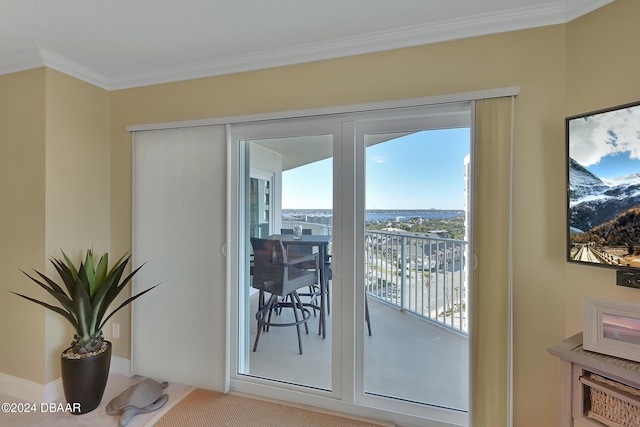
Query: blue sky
{"x": 607, "y": 144}
{"x": 615, "y": 165}
{"x": 423, "y": 170}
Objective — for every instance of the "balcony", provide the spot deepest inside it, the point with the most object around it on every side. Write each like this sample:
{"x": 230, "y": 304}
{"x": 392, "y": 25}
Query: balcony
{"x": 421, "y": 274}
{"x": 418, "y": 350}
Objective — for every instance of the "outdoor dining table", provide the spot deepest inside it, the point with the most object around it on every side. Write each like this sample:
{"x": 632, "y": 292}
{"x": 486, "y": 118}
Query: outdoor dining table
{"x": 322, "y": 243}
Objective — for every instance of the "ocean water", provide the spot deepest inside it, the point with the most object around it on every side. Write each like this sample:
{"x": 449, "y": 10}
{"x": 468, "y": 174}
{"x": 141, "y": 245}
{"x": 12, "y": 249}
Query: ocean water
{"x": 390, "y": 216}
{"x": 386, "y": 215}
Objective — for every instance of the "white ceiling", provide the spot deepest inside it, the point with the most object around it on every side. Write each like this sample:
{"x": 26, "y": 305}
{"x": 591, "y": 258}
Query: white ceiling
{"x": 126, "y": 43}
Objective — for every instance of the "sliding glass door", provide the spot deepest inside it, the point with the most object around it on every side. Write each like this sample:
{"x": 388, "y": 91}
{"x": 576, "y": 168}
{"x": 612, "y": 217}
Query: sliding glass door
{"x": 415, "y": 261}
{"x": 286, "y": 176}
{"x": 389, "y": 188}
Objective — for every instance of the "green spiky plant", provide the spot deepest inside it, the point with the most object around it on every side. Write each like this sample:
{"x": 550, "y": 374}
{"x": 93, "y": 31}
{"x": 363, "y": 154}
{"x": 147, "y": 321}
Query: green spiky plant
{"x": 90, "y": 290}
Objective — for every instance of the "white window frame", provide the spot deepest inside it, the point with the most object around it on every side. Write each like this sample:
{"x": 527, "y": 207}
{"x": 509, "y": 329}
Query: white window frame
{"x": 347, "y": 365}
{"x": 237, "y": 153}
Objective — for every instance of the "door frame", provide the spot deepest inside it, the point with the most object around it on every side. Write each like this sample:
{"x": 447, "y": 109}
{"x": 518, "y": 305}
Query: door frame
{"x": 227, "y": 249}
{"x": 238, "y": 149}
{"x": 454, "y": 116}
{"x": 349, "y": 224}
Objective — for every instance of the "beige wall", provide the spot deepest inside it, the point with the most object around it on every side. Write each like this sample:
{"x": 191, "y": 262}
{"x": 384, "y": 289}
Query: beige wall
{"x": 22, "y": 221}
{"x": 564, "y": 69}
{"x": 54, "y": 160}
{"x": 533, "y": 60}
{"x": 603, "y": 71}
{"x": 77, "y": 186}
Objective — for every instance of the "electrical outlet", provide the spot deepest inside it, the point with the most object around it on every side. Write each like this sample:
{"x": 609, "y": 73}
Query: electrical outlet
{"x": 115, "y": 330}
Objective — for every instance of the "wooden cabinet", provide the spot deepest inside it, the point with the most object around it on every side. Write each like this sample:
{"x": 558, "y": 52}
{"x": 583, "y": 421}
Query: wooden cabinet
{"x": 577, "y": 363}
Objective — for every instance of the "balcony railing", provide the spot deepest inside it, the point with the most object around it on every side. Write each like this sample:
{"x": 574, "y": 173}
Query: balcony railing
{"x": 417, "y": 273}
{"x": 420, "y": 274}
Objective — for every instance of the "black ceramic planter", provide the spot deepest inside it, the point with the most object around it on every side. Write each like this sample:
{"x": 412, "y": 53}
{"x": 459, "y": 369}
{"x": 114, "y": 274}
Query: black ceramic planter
{"x": 84, "y": 380}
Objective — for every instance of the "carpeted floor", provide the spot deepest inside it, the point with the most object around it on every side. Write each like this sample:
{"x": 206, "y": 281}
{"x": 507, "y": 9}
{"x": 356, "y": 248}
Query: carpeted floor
{"x": 209, "y": 408}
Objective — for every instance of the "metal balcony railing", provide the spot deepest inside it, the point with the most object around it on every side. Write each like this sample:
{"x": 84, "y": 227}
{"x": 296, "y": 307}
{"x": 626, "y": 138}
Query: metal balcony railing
{"x": 417, "y": 273}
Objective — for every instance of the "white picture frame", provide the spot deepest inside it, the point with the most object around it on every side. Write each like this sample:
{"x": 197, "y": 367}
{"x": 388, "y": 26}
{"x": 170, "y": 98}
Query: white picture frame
{"x": 612, "y": 327}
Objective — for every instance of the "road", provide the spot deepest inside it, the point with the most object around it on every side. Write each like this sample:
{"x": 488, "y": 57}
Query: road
{"x": 587, "y": 255}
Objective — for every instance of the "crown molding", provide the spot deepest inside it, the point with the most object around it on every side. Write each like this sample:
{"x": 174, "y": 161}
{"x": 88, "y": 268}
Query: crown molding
{"x": 21, "y": 60}
{"x": 28, "y": 59}
{"x": 74, "y": 69}
{"x": 518, "y": 19}
{"x": 552, "y": 13}
{"x": 577, "y": 8}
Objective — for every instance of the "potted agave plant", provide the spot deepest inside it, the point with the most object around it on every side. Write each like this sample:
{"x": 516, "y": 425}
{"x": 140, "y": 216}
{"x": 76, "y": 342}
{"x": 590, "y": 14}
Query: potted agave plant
{"x": 88, "y": 292}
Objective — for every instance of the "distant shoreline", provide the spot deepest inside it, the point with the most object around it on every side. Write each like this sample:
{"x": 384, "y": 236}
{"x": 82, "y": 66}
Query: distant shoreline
{"x": 398, "y": 215}
{"x": 403, "y": 212}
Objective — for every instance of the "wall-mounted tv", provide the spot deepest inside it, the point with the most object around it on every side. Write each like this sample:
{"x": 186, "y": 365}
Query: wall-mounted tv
{"x": 603, "y": 177}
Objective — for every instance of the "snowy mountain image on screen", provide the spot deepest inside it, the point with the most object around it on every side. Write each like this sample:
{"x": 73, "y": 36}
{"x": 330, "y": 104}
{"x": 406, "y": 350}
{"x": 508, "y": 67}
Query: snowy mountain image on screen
{"x": 593, "y": 201}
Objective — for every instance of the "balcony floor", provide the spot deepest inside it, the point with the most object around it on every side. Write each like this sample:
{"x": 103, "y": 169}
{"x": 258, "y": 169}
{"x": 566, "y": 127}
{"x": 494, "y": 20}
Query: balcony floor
{"x": 406, "y": 357}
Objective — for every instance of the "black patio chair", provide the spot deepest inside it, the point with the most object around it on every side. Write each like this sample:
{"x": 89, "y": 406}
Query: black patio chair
{"x": 281, "y": 276}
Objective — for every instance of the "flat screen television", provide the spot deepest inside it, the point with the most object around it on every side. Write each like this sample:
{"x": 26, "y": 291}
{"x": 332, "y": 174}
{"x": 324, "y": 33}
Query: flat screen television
{"x": 603, "y": 188}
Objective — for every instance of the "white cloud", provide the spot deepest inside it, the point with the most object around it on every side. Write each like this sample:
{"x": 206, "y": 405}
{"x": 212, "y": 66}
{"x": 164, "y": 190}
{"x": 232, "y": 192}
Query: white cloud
{"x": 592, "y": 139}
{"x": 380, "y": 159}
